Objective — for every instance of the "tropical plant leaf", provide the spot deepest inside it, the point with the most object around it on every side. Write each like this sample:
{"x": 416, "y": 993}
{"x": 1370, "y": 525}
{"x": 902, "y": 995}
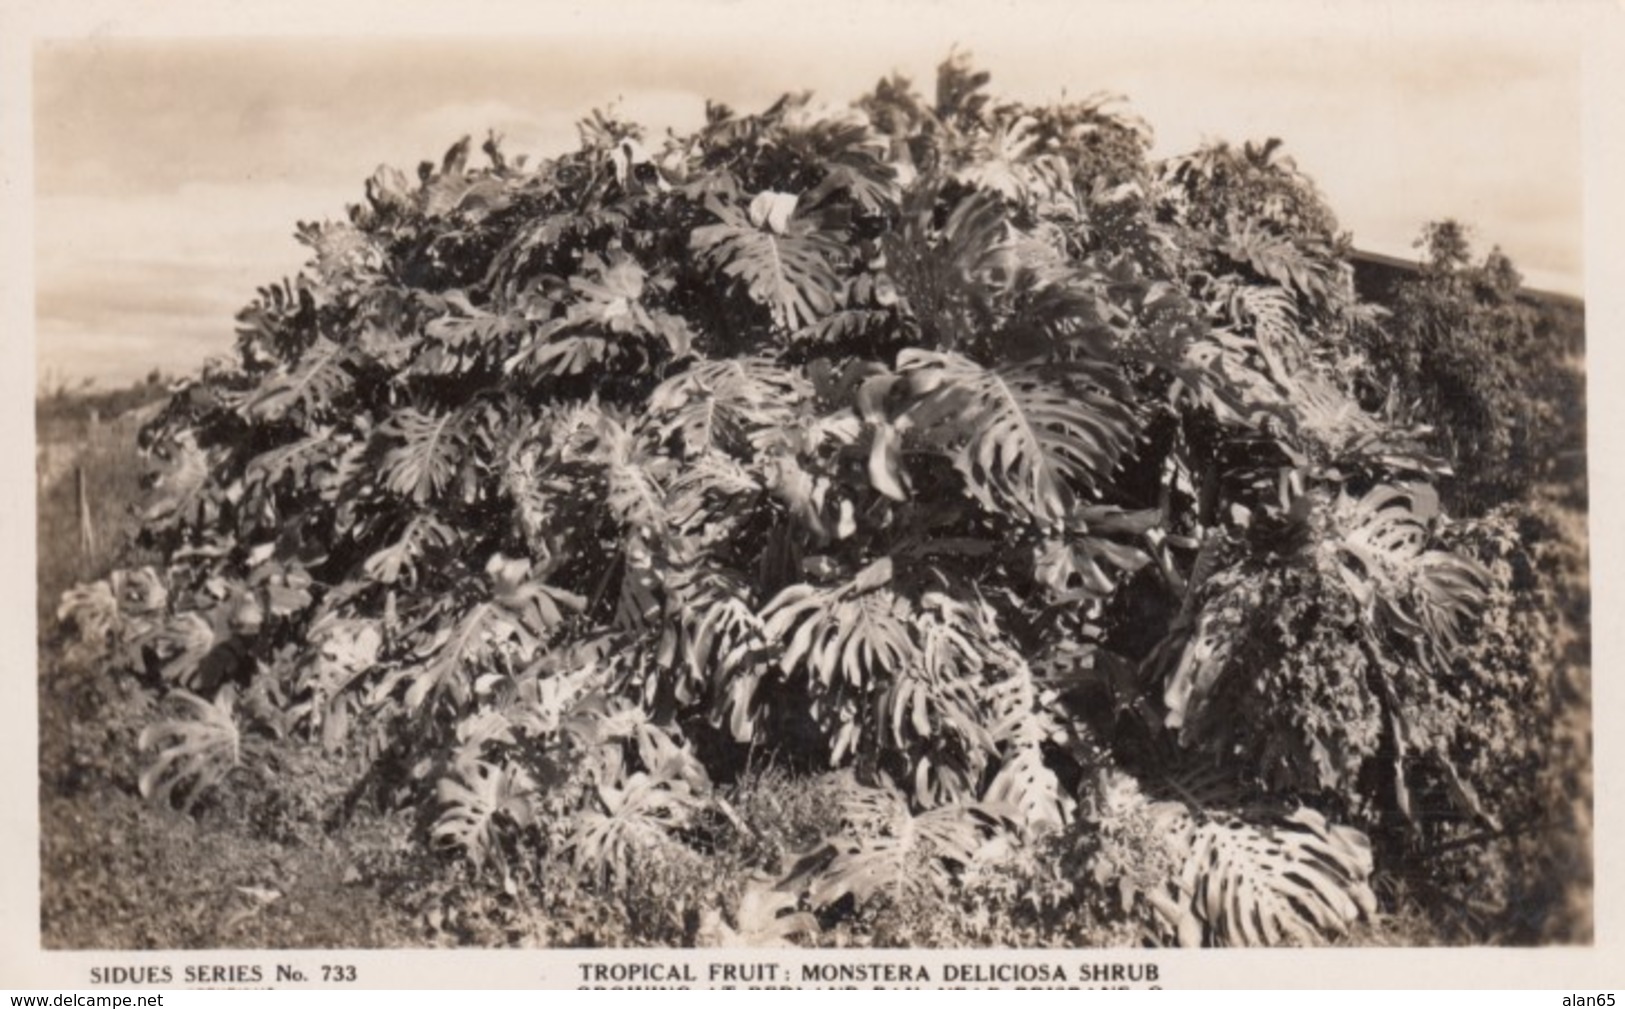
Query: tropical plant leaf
{"x": 634, "y": 475}
{"x": 345, "y": 651}
{"x": 479, "y": 801}
{"x": 938, "y": 702}
{"x": 767, "y": 917}
{"x": 1218, "y": 877}
{"x": 726, "y": 404}
{"x": 852, "y": 157}
{"x": 1203, "y": 655}
{"x": 1298, "y": 881}
{"x": 1083, "y": 562}
{"x": 1025, "y": 784}
{"x": 422, "y": 536}
{"x": 432, "y": 450}
{"x": 711, "y": 495}
{"x": 446, "y": 661}
{"x": 627, "y": 821}
{"x": 196, "y": 750}
{"x": 313, "y": 385}
{"x": 93, "y": 611}
{"x": 949, "y": 276}
{"x": 298, "y": 461}
{"x": 883, "y": 848}
{"x": 465, "y": 336}
{"x": 847, "y": 327}
{"x": 539, "y": 607}
{"x": 1384, "y": 560}
{"x": 857, "y": 633}
{"x": 606, "y": 318}
{"x": 1027, "y": 437}
{"x": 1271, "y": 313}
{"x": 784, "y": 259}
{"x": 1009, "y": 158}
{"x": 1280, "y": 259}
{"x": 184, "y": 643}
{"x": 1325, "y": 415}
{"x": 711, "y": 635}
{"x": 183, "y": 493}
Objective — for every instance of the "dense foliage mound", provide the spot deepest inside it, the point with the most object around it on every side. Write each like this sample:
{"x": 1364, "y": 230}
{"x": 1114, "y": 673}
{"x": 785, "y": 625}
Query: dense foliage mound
{"x": 1003, "y": 499}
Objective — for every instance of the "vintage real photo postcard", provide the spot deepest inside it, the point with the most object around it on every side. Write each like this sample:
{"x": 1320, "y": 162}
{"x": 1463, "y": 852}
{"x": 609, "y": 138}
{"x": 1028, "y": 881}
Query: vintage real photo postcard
{"x": 712, "y": 495}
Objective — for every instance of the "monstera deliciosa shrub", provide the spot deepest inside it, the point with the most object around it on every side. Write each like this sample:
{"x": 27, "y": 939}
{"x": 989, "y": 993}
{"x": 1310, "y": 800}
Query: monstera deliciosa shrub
{"x": 946, "y": 446}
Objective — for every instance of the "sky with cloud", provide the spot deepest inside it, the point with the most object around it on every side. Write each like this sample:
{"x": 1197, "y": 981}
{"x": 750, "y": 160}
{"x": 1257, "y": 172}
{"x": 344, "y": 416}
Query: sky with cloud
{"x": 169, "y": 172}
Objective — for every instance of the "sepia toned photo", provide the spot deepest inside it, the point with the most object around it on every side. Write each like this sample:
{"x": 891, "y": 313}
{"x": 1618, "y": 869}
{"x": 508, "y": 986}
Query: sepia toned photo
{"x": 1065, "y": 488}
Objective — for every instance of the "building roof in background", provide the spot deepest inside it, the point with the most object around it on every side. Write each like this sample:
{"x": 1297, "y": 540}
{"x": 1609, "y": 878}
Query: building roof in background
{"x": 1370, "y": 263}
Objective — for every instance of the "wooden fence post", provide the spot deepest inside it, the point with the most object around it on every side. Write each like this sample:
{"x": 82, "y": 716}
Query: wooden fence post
{"x": 87, "y": 526}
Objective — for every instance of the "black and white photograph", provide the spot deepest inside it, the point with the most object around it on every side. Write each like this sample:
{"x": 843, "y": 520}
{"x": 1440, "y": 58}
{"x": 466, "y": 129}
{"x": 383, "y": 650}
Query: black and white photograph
{"x": 805, "y": 489}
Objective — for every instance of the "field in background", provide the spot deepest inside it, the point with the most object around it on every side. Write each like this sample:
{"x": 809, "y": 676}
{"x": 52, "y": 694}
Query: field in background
{"x": 116, "y": 873}
{"x": 104, "y": 451}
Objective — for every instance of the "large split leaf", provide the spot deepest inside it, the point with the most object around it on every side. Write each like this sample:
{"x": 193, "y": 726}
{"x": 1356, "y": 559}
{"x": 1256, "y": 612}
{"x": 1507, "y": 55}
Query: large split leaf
{"x": 883, "y": 848}
{"x": 1298, "y": 881}
{"x": 1083, "y": 561}
{"x": 723, "y": 404}
{"x": 857, "y": 632}
{"x": 767, "y": 916}
{"x": 627, "y": 822}
{"x": 479, "y": 800}
{"x": 784, "y": 259}
{"x": 1383, "y": 558}
{"x": 446, "y": 660}
{"x": 1226, "y": 878}
{"x": 1028, "y": 437}
{"x": 400, "y": 561}
{"x": 1283, "y": 260}
{"x": 183, "y": 493}
{"x": 606, "y": 319}
{"x": 432, "y": 449}
{"x": 312, "y": 385}
{"x": 949, "y": 273}
{"x": 1025, "y": 784}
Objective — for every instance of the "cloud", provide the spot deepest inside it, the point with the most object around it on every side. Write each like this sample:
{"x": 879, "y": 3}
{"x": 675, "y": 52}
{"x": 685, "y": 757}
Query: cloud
{"x": 548, "y": 133}
{"x": 171, "y": 172}
{"x": 175, "y": 345}
{"x": 126, "y": 284}
{"x": 125, "y": 276}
